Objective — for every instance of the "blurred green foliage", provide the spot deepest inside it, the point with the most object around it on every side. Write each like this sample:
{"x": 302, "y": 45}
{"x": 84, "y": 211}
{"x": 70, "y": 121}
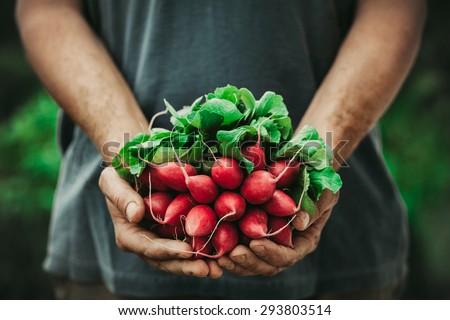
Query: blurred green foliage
{"x": 416, "y": 140}
{"x": 30, "y": 169}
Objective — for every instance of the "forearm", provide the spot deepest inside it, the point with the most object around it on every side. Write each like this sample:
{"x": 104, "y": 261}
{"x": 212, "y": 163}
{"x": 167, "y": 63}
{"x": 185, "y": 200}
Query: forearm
{"x": 77, "y": 70}
{"x": 369, "y": 69}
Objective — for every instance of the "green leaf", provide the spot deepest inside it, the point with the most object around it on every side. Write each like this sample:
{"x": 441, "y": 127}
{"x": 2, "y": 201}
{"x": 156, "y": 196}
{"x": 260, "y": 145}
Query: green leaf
{"x": 195, "y": 152}
{"x": 270, "y": 103}
{"x": 167, "y": 154}
{"x": 319, "y": 159}
{"x": 299, "y": 190}
{"x": 306, "y": 143}
{"x": 308, "y": 204}
{"x": 121, "y": 170}
{"x": 178, "y": 120}
{"x": 268, "y": 130}
{"x": 195, "y": 105}
{"x": 284, "y": 125}
{"x": 133, "y": 153}
{"x": 230, "y": 93}
{"x": 205, "y": 120}
{"x": 324, "y": 179}
{"x": 230, "y": 143}
{"x": 249, "y": 101}
{"x": 215, "y": 113}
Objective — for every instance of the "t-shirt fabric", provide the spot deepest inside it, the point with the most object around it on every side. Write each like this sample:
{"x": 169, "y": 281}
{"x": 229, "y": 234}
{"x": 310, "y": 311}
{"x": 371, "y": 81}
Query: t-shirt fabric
{"x": 179, "y": 50}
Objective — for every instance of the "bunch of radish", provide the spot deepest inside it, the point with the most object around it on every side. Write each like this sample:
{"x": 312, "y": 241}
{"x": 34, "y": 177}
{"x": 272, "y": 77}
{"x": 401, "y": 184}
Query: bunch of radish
{"x": 228, "y": 172}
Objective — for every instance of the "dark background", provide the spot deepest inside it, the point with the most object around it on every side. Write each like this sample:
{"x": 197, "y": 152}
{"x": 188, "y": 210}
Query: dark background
{"x": 416, "y": 138}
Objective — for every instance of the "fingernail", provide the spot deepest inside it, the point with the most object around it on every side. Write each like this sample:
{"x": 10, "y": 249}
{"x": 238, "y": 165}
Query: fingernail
{"x": 305, "y": 219}
{"x": 259, "y": 250}
{"x": 131, "y": 209}
{"x": 240, "y": 258}
{"x": 230, "y": 266}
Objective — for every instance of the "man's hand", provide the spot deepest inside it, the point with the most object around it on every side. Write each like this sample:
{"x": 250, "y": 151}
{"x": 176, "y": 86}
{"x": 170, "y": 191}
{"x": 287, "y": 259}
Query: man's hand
{"x": 267, "y": 258}
{"x": 127, "y": 209}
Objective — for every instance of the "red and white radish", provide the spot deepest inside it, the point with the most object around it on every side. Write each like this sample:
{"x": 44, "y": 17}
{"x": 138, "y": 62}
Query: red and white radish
{"x": 288, "y": 178}
{"x": 280, "y": 205}
{"x": 225, "y": 238}
{"x": 254, "y": 223}
{"x": 227, "y": 173}
{"x": 230, "y": 202}
{"x": 168, "y": 231}
{"x": 202, "y": 188}
{"x": 174, "y": 174}
{"x": 178, "y": 209}
{"x": 281, "y": 234}
{"x": 258, "y": 187}
{"x": 255, "y": 153}
{"x": 200, "y": 221}
{"x": 201, "y": 246}
{"x": 150, "y": 177}
{"x": 156, "y": 205}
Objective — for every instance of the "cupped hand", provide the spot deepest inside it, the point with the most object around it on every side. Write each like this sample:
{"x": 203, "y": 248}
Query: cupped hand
{"x": 127, "y": 209}
{"x": 264, "y": 257}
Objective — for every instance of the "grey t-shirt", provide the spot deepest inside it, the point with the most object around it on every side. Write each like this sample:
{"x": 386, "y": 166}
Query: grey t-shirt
{"x": 180, "y": 50}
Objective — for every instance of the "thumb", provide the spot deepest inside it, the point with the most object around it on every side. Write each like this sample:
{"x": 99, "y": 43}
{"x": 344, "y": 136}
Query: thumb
{"x": 121, "y": 195}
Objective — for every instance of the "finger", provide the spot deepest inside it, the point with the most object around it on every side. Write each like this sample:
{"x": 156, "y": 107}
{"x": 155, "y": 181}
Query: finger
{"x": 304, "y": 243}
{"x": 229, "y": 265}
{"x": 194, "y": 268}
{"x": 307, "y": 241}
{"x": 215, "y": 271}
{"x": 301, "y": 221}
{"x": 274, "y": 254}
{"x": 245, "y": 259}
{"x": 131, "y": 237}
{"x": 121, "y": 195}
{"x": 326, "y": 202}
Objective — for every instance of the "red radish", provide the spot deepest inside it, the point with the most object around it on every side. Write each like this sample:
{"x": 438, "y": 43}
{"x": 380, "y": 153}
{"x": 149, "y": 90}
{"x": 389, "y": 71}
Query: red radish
{"x": 276, "y": 168}
{"x": 156, "y": 205}
{"x": 255, "y": 154}
{"x": 258, "y": 187}
{"x": 254, "y": 223}
{"x": 178, "y": 208}
{"x": 227, "y": 173}
{"x": 173, "y": 174}
{"x": 150, "y": 176}
{"x": 200, "y": 221}
{"x": 230, "y": 202}
{"x": 202, "y": 188}
{"x": 280, "y": 205}
{"x": 284, "y": 237}
{"x": 201, "y": 245}
{"x": 167, "y": 231}
{"x": 225, "y": 238}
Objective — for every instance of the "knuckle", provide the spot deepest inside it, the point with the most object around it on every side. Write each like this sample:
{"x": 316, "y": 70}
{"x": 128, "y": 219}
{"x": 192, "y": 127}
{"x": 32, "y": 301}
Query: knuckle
{"x": 119, "y": 199}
